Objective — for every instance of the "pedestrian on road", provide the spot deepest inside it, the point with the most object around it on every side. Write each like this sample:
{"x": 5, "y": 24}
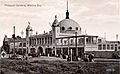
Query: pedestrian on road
{"x": 91, "y": 57}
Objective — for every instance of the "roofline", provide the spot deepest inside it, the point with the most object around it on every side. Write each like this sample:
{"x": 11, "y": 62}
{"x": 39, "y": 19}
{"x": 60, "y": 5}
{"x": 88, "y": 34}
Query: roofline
{"x": 113, "y": 41}
{"x": 77, "y": 36}
{"x": 42, "y": 35}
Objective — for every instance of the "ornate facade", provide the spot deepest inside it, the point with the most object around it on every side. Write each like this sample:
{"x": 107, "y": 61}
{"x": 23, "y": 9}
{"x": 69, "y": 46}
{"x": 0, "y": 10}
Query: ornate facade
{"x": 66, "y": 38}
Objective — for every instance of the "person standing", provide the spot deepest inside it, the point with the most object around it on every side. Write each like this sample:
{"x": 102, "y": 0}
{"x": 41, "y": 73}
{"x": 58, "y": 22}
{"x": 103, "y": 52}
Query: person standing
{"x": 91, "y": 57}
{"x": 86, "y": 59}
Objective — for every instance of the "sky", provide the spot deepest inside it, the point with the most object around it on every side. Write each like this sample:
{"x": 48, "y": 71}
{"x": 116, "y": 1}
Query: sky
{"x": 97, "y": 17}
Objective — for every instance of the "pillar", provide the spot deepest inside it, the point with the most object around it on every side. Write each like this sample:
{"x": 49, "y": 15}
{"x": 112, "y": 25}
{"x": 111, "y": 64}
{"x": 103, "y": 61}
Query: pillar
{"x": 84, "y": 43}
{"x": 68, "y": 45}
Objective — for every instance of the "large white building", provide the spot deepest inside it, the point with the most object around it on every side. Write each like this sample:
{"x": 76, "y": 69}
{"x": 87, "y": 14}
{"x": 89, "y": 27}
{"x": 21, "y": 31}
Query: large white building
{"x": 66, "y": 37}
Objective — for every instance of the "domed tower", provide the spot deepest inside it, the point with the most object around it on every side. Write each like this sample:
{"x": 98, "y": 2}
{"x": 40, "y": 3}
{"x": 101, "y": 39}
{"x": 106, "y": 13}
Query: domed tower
{"x": 29, "y": 30}
{"x": 68, "y": 25}
{"x": 28, "y": 34}
{"x": 55, "y": 33}
{"x": 55, "y": 27}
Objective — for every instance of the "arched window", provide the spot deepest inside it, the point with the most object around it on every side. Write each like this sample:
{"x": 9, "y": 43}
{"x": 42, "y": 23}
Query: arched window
{"x": 20, "y": 45}
{"x": 80, "y": 29}
{"x": 112, "y": 47}
{"x": 70, "y": 28}
{"x": 100, "y": 47}
{"x": 76, "y": 28}
{"x": 104, "y": 46}
{"x": 24, "y": 44}
{"x": 108, "y": 46}
{"x": 63, "y": 28}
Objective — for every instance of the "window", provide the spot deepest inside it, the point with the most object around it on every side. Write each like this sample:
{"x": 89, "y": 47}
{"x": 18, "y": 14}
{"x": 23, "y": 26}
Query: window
{"x": 51, "y": 40}
{"x": 80, "y": 29}
{"x": 24, "y": 44}
{"x": 108, "y": 46}
{"x": 65, "y": 42}
{"x": 76, "y": 28}
{"x": 37, "y": 41}
{"x": 27, "y": 42}
{"x": 116, "y": 45}
{"x": 70, "y": 28}
{"x": 119, "y": 47}
{"x": 100, "y": 47}
{"x": 71, "y": 42}
{"x": 61, "y": 40}
{"x": 20, "y": 45}
{"x": 87, "y": 40}
{"x": 30, "y": 41}
{"x": 99, "y": 40}
{"x": 48, "y": 40}
{"x": 40, "y": 40}
{"x": 104, "y": 46}
{"x": 45, "y": 40}
{"x": 63, "y": 28}
{"x": 115, "y": 48}
{"x": 112, "y": 47}
{"x": 81, "y": 41}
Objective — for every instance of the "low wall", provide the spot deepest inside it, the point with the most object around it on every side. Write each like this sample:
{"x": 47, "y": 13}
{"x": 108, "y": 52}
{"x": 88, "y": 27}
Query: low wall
{"x": 104, "y": 54}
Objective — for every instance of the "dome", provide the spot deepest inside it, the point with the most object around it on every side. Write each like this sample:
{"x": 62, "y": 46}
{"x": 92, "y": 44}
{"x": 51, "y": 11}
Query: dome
{"x": 29, "y": 28}
{"x": 69, "y": 24}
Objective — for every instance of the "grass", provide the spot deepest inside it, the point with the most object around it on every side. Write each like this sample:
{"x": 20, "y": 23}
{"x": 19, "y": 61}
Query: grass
{"x": 57, "y": 67}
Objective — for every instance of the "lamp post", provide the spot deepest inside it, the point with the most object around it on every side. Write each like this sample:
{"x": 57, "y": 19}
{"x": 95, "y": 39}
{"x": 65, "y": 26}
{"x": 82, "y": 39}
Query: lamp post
{"x": 14, "y": 39}
{"x": 76, "y": 43}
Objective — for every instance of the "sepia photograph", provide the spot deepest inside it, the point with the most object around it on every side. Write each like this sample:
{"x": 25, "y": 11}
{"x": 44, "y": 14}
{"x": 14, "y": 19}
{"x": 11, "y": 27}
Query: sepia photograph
{"x": 59, "y": 36}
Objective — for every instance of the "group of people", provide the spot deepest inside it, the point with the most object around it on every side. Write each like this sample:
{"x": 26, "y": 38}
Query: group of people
{"x": 88, "y": 57}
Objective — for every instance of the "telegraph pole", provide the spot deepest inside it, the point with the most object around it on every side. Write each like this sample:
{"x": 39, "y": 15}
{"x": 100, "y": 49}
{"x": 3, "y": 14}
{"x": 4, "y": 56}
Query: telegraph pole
{"x": 14, "y": 39}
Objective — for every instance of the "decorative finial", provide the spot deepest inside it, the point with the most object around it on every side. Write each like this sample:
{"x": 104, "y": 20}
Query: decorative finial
{"x": 36, "y": 33}
{"x": 67, "y": 13}
{"x": 55, "y": 16}
{"x": 44, "y": 31}
{"x": 28, "y": 22}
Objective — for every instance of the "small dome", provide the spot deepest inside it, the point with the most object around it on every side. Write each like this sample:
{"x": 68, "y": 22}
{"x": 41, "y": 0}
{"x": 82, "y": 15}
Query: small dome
{"x": 55, "y": 23}
{"x": 29, "y": 28}
{"x": 69, "y": 24}
{"x": 5, "y": 38}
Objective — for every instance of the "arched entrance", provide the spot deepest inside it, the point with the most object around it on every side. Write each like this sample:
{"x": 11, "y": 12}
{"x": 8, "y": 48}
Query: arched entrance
{"x": 32, "y": 52}
{"x": 48, "y": 51}
{"x": 40, "y": 51}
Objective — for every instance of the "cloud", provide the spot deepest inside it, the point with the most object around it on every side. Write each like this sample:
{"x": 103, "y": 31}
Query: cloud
{"x": 105, "y": 7}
